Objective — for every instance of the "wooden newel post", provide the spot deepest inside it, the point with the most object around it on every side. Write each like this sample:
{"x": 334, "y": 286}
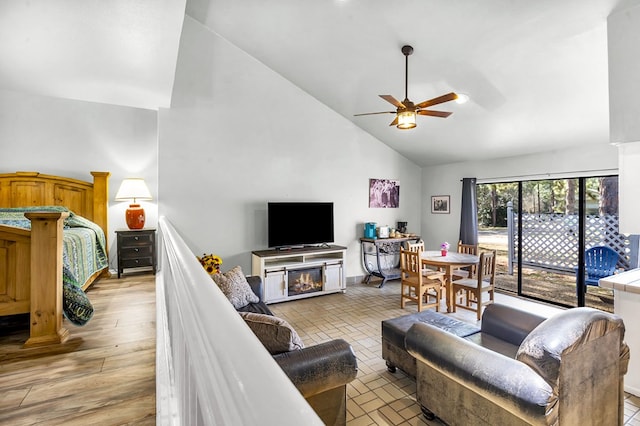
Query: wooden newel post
{"x": 46, "y": 297}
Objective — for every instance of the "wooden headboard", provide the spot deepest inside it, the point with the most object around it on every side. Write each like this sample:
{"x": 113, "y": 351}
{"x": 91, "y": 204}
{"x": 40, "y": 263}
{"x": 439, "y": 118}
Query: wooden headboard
{"x": 89, "y": 200}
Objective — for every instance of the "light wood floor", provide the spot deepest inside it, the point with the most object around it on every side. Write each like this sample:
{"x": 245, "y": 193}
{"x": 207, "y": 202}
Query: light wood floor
{"x": 105, "y": 374}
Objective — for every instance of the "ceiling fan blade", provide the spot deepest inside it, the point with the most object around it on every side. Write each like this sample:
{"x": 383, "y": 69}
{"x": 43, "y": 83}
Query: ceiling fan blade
{"x": 440, "y": 99}
{"x": 442, "y": 114}
{"x": 392, "y": 101}
{"x": 394, "y": 122}
{"x": 372, "y": 113}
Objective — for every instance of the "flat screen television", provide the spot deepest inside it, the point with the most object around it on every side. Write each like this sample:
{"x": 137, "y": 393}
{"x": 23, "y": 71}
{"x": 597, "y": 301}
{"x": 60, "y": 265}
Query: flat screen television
{"x": 295, "y": 224}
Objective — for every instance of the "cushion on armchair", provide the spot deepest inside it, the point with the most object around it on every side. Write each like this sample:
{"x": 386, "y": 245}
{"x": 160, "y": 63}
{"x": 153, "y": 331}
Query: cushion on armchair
{"x": 274, "y": 333}
{"x": 234, "y": 285}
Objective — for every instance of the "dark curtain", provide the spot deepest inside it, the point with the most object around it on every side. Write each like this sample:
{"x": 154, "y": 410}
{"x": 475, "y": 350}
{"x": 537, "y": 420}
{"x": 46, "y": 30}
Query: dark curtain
{"x": 469, "y": 212}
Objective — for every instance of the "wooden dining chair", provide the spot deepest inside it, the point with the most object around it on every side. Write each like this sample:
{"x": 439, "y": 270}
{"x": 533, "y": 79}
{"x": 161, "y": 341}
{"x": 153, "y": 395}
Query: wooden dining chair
{"x": 432, "y": 274}
{"x": 416, "y": 246}
{"x": 472, "y": 289}
{"x": 469, "y": 271}
{"x": 415, "y": 286}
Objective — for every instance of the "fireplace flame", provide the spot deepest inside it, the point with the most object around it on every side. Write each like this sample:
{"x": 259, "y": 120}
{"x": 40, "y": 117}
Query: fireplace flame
{"x": 305, "y": 282}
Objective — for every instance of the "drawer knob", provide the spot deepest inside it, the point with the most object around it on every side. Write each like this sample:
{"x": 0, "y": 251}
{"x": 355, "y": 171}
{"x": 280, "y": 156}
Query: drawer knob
{"x": 136, "y": 238}
{"x": 136, "y": 249}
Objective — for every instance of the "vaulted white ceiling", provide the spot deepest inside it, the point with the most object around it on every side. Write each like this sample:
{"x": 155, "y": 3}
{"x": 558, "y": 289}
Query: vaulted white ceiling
{"x": 120, "y": 52}
{"x": 535, "y": 71}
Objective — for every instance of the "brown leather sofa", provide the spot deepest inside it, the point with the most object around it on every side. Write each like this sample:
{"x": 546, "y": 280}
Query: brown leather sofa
{"x": 564, "y": 370}
{"x": 320, "y": 372}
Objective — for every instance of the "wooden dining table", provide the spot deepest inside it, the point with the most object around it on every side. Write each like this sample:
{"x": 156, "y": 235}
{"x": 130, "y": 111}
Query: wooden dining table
{"x": 448, "y": 263}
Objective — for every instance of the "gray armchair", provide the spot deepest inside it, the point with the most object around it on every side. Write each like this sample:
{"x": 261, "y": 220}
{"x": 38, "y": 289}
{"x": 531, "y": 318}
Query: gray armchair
{"x": 320, "y": 372}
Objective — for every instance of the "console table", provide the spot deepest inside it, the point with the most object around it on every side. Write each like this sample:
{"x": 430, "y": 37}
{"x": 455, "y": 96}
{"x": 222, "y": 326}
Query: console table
{"x": 300, "y": 272}
{"x": 381, "y": 257}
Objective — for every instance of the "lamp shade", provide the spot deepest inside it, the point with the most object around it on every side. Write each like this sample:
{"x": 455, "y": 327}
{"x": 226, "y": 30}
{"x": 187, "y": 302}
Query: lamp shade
{"x": 134, "y": 189}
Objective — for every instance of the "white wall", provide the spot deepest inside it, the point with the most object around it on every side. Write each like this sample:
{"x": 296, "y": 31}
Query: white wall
{"x": 238, "y": 135}
{"x": 623, "y": 30}
{"x": 71, "y": 138}
{"x": 623, "y": 37}
{"x": 446, "y": 180}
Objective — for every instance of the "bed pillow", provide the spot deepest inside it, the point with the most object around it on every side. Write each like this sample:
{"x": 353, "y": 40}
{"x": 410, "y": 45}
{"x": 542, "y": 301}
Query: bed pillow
{"x": 275, "y": 334}
{"x": 234, "y": 285}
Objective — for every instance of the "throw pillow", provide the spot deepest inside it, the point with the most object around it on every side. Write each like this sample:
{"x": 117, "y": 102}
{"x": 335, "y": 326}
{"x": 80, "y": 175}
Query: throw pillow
{"x": 275, "y": 334}
{"x": 234, "y": 285}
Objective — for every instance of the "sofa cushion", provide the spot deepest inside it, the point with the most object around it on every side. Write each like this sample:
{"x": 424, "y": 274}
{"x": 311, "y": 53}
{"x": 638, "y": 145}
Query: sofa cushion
{"x": 274, "y": 333}
{"x": 494, "y": 344}
{"x": 234, "y": 285}
{"x": 509, "y": 324}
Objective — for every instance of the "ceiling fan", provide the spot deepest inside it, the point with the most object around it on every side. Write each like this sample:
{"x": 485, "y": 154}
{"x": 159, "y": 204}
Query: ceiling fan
{"x": 406, "y": 110}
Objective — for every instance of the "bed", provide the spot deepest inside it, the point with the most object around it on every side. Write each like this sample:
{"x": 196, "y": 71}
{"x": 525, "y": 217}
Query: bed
{"x": 34, "y": 262}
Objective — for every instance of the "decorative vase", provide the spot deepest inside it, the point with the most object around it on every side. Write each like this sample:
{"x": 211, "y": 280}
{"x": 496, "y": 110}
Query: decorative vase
{"x": 135, "y": 216}
{"x": 443, "y": 253}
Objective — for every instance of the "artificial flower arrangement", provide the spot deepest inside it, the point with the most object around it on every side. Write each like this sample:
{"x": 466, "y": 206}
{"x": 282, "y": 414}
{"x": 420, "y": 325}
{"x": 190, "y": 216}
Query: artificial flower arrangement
{"x": 211, "y": 263}
{"x": 444, "y": 248}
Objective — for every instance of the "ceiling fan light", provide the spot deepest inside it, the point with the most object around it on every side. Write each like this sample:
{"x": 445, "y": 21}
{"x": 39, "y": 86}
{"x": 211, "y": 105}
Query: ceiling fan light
{"x": 461, "y": 98}
{"x": 406, "y": 120}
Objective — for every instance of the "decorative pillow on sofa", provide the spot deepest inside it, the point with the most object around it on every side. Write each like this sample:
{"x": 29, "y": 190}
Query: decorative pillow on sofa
{"x": 234, "y": 285}
{"x": 274, "y": 333}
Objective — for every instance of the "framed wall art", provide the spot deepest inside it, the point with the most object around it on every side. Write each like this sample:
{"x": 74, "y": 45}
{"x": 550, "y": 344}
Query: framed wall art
{"x": 384, "y": 193}
{"x": 440, "y": 204}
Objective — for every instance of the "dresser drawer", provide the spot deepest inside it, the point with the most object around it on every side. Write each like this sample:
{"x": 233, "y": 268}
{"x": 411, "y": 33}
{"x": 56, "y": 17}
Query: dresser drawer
{"x": 136, "y": 240}
{"x": 137, "y": 262}
{"x": 135, "y": 252}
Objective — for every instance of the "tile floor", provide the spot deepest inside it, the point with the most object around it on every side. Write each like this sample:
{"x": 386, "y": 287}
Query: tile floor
{"x": 377, "y": 397}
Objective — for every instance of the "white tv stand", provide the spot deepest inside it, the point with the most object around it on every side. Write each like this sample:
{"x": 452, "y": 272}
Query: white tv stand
{"x": 300, "y": 272}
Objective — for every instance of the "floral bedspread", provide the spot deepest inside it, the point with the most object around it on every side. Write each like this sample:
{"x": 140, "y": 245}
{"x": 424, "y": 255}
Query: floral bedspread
{"x": 84, "y": 253}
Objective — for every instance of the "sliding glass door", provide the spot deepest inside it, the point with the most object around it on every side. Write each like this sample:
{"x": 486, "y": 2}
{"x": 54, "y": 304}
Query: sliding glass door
{"x": 495, "y": 201}
{"x": 547, "y": 236}
{"x": 601, "y": 231}
{"x": 546, "y": 227}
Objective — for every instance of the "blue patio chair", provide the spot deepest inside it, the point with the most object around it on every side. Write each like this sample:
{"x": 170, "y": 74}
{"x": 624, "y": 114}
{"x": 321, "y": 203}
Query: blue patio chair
{"x": 599, "y": 262}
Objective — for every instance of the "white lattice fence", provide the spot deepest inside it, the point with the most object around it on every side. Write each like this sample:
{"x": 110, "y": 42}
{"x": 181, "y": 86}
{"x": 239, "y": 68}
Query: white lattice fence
{"x": 550, "y": 241}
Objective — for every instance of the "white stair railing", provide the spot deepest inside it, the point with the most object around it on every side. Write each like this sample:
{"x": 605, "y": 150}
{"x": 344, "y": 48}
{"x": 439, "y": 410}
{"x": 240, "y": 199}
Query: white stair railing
{"x": 210, "y": 367}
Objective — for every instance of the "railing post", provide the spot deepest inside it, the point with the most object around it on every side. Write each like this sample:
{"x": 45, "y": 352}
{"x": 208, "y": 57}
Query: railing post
{"x": 634, "y": 262}
{"x": 510, "y": 236}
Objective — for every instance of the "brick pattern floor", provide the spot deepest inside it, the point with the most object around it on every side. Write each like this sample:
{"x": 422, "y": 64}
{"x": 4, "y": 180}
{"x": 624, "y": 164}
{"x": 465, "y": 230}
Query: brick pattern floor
{"x": 377, "y": 397}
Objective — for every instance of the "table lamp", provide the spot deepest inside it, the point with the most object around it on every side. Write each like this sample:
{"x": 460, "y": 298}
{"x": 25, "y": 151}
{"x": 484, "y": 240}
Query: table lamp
{"x": 134, "y": 189}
